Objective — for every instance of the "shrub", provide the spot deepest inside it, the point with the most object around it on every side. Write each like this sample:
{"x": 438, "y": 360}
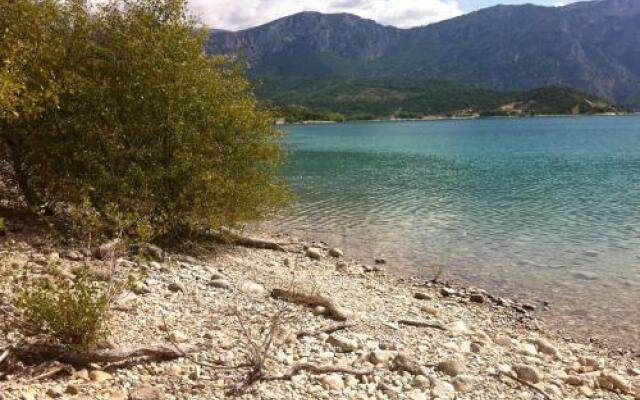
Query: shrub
{"x": 121, "y": 106}
{"x": 73, "y": 314}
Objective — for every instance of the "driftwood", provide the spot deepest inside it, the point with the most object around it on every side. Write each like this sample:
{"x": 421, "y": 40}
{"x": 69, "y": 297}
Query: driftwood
{"x": 423, "y": 324}
{"x": 527, "y": 384}
{"x": 318, "y": 369}
{"x": 333, "y": 311}
{"x": 229, "y": 237}
{"x": 38, "y": 353}
{"x": 327, "y": 329}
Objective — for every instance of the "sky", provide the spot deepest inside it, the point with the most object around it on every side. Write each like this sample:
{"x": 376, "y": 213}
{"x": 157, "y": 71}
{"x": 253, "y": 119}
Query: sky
{"x": 242, "y": 14}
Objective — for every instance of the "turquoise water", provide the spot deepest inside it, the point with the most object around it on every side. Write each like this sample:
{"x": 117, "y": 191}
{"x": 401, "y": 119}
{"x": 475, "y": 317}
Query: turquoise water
{"x": 537, "y": 208}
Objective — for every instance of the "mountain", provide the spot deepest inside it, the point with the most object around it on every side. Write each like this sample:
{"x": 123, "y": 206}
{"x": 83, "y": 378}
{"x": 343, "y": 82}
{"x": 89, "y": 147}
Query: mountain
{"x": 591, "y": 46}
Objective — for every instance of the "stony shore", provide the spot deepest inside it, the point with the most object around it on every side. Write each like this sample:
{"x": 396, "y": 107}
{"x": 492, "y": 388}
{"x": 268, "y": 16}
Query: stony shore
{"x": 402, "y": 339}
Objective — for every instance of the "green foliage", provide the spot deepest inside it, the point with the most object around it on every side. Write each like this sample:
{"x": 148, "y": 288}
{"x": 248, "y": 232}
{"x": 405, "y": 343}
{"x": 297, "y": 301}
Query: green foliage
{"x": 74, "y": 314}
{"x": 353, "y": 99}
{"x": 120, "y": 108}
{"x": 3, "y": 227}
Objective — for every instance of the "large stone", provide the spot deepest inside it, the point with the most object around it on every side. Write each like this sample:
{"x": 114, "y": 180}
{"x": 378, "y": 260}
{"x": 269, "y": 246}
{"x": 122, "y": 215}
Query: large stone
{"x": 314, "y": 253}
{"x": 178, "y": 337}
{"x": 527, "y": 373}
{"x": 99, "y": 376}
{"x": 154, "y": 252}
{"x": 332, "y": 382}
{"x": 176, "y": 287}
{"x": 613, "y": 382}
{"x": 220, "y": 284}
{"x": 342, "y": 344}
{"x": 336, "y": 252}
{"x": 546, "y": 347}
{"x": 253, "y": 288}
{"x": 443, "y": 390}
{"x": 146, "y": 392}
{"x": 451, "y": 367}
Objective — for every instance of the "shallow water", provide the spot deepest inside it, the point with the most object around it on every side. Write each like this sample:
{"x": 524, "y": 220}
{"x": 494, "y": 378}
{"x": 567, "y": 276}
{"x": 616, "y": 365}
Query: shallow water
{"x": 537, "y": 208}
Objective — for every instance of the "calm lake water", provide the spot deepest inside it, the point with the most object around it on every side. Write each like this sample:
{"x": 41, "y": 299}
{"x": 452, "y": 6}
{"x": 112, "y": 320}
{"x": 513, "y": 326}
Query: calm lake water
{"x": 536, "y": 208}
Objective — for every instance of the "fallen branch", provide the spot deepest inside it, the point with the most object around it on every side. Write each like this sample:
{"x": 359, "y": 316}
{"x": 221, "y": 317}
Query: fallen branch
{"x": 327, "y": 329}
{"x": 37, "y": 353}
{"x": 527, "y": 384}
{"x": 333, "y": 311}
{"x": 228, "y": 237}
{"x": 317, "y": 369}
{"x": 423, "y": 324}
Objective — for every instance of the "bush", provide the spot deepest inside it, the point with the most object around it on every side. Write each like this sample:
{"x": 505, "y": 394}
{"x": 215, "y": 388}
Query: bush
{"x": 121, "y": 106}
{"x": 73, "y": 314}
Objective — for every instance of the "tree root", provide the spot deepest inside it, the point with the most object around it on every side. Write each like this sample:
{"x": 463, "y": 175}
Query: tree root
{"x": 227, "y": 236}
{"x": 327, "y": 329}
{"x": 527, "y": 384}
{"x": 333, "y": 311}
{"x": 39, "y": 353}
{"x": 423, "y": 324}
{"x": 317, "y": 369}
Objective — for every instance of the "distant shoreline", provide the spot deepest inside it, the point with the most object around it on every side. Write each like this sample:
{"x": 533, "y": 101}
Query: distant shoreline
{"x": 461, "y": 118}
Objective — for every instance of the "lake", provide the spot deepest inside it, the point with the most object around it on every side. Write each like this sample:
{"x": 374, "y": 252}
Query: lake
{"x": 538, "y": 209}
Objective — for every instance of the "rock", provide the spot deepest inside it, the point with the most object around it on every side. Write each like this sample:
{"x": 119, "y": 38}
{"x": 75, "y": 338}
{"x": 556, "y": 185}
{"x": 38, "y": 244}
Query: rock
{"x": 253, "y": 288}
{"x": 332, "y": 382}
{"x": 443, "y": 390}
{"x": 429, "y": 310}
{"x": 451, "y": 367}
{"x": 74, "y": 255}
{"x": 54, "y": 393}
{"x": 527, "y": 373}
{"x": 574, "y": 380}
{"x": 477, "y": 298}
{"x": 545, "y": 347}
{"x": 458, "y": 328}
{"x": 422, "y": 296}
{"x": 380, "y": 357}
{"x": 216, "y": 276}
{"x": 146, "y": 392}
{"x": 613, "y": 382}
{"x": 336, "y": 252}
{"x": 342, "y": 344}
{"x": 586, "y": 391}
{"x": 527, "y": 349}
{"x": 106, "y": 250}
{"x": 220, "y": 284}
{"x": 99, "y": 376}
{"x": 118, "y": 395}
{"x": 314, "y": 253}
{"x": 72, "y": 389}
{"x": 154, "y": 252}
{"x": 421, "y": 381}
{"x": 447, "y": 292}
{"x": 405, "y": 362}
{"x": 176, "y": 287}
{"x": 463, "y": 383}
{"x": 140, "y": 288}
{"x": 178, "y": 337}
{"x": 416, "y": 395}
{"x": 28, "y": 395}
{"x": 380, "y": 261}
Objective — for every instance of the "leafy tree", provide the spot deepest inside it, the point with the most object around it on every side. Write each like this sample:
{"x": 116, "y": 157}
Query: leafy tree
{"x": 120, "y": 106}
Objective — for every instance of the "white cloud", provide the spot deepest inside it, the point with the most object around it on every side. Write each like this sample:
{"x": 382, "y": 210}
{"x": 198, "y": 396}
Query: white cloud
{"x": 241, "y": 14}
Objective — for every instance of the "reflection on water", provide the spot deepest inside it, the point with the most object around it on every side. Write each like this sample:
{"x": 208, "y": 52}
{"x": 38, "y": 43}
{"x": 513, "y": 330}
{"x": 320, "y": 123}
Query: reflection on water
{"x": 544, "y": 208}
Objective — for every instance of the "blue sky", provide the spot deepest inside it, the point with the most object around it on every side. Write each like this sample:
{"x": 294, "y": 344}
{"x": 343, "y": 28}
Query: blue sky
{"x": 241, "y": 14}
